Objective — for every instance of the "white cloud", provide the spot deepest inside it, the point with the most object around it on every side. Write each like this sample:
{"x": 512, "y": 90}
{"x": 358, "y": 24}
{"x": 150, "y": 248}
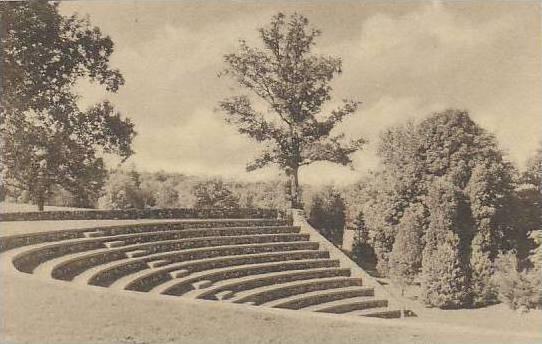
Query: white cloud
{"x": 402, "y": 66}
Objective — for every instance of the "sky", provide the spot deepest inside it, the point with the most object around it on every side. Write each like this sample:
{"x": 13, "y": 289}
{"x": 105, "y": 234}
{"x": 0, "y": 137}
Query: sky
{"x": 402, "y": 60}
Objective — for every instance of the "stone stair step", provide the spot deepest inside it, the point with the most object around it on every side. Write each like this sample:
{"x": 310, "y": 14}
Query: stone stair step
{"x": 202, "y": 284}
{"x": 348, "y": 305}
{"x": 113, "y": 244}
{"x": 286, "y": 289}
{"x": 94, "y": 234}
{"x": 158, "y": 263}
{"x": 224, "y": 295}
{"x": 377, "y": 312}
{"x": 135, "y": 253}
{"x": 179, "y": 273}
{"x": 319, "y": 296}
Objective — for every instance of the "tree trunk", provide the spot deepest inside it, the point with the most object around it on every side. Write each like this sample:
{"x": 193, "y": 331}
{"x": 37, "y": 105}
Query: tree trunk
{"x": 41, "y": 202}
{"x": 294, "y": 188}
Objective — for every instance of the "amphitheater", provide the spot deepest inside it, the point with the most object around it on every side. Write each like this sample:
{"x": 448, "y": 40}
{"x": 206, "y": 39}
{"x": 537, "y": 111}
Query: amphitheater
{"x": 246, "y": 265}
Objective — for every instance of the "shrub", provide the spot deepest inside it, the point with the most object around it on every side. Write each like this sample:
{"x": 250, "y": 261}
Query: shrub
{"x": 518, "y": 289}
{"x": 328, "y": 215}
{"x": 214, "y": 194}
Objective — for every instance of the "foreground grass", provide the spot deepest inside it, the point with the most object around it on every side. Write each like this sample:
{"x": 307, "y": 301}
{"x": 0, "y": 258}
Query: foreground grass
{"x": 38, "y": 311}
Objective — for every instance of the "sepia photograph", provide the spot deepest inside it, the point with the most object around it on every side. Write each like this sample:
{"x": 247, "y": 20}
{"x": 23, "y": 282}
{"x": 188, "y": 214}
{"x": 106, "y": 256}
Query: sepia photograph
{"x": 271, "y": 172}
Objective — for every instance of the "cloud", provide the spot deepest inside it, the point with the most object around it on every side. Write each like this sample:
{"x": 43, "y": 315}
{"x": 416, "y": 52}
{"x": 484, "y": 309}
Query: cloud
{"x": 401, "y": 64}
{"x": 438, "y": 57}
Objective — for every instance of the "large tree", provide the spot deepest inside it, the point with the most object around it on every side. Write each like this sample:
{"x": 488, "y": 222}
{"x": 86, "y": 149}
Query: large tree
{"x": 448, "y": 146}
{"x": 294, "y": 84}
{"x": 46, "y": 139}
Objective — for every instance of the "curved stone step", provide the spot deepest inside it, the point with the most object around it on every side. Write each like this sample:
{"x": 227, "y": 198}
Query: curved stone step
{"x": 185, "y": 225}
{"x": 73, "y": 267}
{"x": 319, "y": 296}
{"x": 38, "y": 255}
{"x": 377, "y": 312}
{"x": 105, "y": 274}
{"x": 20, "y": 240}
{"x": 103, "y": 268}
{"x": 242, "y": 284}
{"x": 283, "y": 290}
{"x": 228, "y": 273}
{"x": 147, "y": 280}
{"x": 348, "y": 305}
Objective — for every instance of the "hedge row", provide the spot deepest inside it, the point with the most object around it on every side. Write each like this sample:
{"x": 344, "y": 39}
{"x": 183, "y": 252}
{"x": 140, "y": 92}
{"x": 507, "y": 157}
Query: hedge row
{"x": 177, "y": 213}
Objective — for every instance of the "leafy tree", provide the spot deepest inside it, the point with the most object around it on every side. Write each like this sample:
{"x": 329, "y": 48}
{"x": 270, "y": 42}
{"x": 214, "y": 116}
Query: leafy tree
{"x": 444, "y": 270}
{"x": 524, "y": 211}
{"x": 328, "y": 215}
{"x": 406, "y": 256}
{"x": 46, "y": 139}
{"x": 121, "y": 191}
{"x": 382, "y": 208}
{"x": 214, "y": 194}
{"x": 446, "y": 145}
{"x": 166, "y": 195}
{"x": 294, "y": 83}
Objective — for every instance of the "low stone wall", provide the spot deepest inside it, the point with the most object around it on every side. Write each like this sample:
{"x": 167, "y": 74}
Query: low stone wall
{"x": 175, "y": 213}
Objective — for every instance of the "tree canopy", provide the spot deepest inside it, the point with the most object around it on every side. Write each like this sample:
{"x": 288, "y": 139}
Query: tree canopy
{"x": 46, "y": 139}
{"x": 294, "y": 84}
{"x": 214, "y": 194}
{"x": 461, "y": 233}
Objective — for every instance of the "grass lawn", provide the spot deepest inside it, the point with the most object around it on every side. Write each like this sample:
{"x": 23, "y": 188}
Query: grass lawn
{"x": 7, "y": 207}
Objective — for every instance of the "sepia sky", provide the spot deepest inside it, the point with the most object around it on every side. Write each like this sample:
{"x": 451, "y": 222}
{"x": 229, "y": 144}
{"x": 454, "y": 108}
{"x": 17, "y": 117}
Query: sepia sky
{"x": 403, "y": 60}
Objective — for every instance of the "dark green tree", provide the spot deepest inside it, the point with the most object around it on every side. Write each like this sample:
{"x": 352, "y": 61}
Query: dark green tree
{"x": 360, "y": 228}
{"x": 444, "y": 270}
{"x": 489, "y": 190}
{"x": 328, "y": 215}
{"x": 406, "y": 256}
{"x": 294, "y": 83}
{"x": 46, "y": 139}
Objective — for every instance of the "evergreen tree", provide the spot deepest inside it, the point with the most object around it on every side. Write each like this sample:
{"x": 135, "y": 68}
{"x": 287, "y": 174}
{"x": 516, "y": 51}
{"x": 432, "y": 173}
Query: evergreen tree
{"x": 488, "y": 189}
{"x": 406, "y": 257}
{"x": 361, "y": 235}
{"x": 444, "y": 271}
{"x": 328, "y": 215}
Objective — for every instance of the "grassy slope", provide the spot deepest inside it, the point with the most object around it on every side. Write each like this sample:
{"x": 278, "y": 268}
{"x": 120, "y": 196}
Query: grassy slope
{"x": 36, "y": 311}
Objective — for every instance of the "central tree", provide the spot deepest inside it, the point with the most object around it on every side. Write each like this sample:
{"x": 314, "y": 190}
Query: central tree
{"x": 294, "y": 84}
